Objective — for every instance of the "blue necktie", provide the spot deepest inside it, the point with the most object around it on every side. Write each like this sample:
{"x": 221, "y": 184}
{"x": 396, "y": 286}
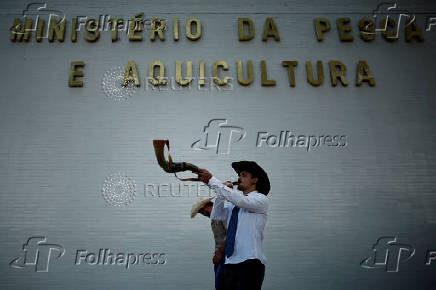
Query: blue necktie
{"x": 231, "y": 233}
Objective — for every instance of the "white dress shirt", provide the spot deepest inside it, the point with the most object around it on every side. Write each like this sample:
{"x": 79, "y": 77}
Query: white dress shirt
{"x": 252, "y": 218}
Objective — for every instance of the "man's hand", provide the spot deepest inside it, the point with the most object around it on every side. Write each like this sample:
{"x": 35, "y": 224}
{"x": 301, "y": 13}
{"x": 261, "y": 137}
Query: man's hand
{"x": 228, "y": 184}
{"x": 219, "y": 254}
{"x": 217, "y": 257}
{"x": 204, "y": 175}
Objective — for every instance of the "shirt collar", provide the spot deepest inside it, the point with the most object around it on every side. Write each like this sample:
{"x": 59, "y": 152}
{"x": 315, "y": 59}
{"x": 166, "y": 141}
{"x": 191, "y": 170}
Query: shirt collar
{"x": 254, "y": 191}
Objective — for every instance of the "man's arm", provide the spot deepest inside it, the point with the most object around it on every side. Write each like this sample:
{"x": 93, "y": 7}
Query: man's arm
{"x": 254, "y": 203}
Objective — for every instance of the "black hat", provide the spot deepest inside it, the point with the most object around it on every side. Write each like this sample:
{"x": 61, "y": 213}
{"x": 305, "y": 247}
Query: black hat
{"x": 263, "y": 185}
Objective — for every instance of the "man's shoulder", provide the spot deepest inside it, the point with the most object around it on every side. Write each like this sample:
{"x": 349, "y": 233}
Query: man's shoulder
{"x": 261, "y": 200}
{"x": 260, "y": 196}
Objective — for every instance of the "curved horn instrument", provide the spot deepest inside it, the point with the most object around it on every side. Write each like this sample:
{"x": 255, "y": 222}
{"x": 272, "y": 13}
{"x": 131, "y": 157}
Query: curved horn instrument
{"x": 170, "y": 166}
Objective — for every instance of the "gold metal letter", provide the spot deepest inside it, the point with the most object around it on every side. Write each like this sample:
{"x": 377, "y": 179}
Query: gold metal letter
{"x": 201, "y": 79}
{"x": 413, "y": 31}
{"x": 290, "y": 65}
{"x": 242, "y": 22}
{"x": 270, "y": 29}
{"x": 128, "y": 77}
{"x": 176, "y": 29}
{"x": 367, "y": 29}
{"x": 159, "y": 80}
{"x": 334, "y": 74}
{"x": 158, "y": 25}
{"x": 18, "y": 32}
{"x": 241, "y": 79}
{"x": 74, "y": 30}
{"x": 321, "y": 25}
{"x": 135, "y": 25}
{"x": 54, "y": 28}
{"x": 197, "y": 23}
{"x": 363, "y": 74}
{"x": 320, "y": 73}
{"x": 216, "y": 78}
{"x": 92, "y": 26}
{"x": 115, "y": 22}
{"x": 39, "y": 29}
{"x": 264, "y": 75}
{"x": 343, "y": 28}
{"x": 388, "y": 24}
{"x": 72, "y": 82}
{"x": 179, "y": 80}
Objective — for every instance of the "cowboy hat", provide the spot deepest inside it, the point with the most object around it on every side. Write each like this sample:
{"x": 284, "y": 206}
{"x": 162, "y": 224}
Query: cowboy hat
{"x": 262, "y": 185}
{"x": 199, "y": 204}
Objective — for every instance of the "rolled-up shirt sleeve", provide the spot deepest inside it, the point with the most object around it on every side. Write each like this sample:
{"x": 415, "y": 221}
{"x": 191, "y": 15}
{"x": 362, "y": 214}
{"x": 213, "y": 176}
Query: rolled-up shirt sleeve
{"x": 255, "y": 203}
{"x": 219, "y": 212}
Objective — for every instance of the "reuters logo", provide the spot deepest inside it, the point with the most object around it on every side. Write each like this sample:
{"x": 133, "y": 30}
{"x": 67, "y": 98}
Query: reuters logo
{"x": 112, "y": 85}
{"x": 118, "y": 190}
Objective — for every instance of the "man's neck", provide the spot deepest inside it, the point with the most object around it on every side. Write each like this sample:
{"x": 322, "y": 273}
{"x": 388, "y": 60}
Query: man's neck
{"x": 248, "y": 191}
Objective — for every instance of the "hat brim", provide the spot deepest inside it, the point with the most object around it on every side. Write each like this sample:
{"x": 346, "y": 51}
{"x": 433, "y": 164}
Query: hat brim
{"x": 199, "y": 204}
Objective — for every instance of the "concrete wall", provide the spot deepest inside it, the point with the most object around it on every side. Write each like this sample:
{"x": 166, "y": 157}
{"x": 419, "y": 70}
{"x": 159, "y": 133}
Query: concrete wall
{"x": 60, "y": 146}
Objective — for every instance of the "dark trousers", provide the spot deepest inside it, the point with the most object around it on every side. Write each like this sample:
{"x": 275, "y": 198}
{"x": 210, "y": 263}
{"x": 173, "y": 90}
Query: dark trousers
{"x": 247, "y": 275}
{"x": 219, "y": 270}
